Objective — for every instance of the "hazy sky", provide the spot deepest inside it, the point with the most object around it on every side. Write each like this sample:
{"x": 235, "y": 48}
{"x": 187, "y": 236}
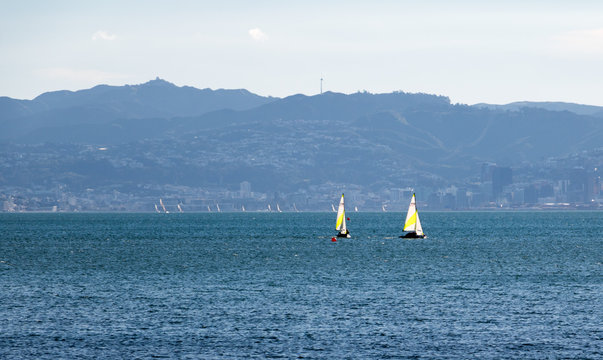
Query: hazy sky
{"x": 471, "y": 51}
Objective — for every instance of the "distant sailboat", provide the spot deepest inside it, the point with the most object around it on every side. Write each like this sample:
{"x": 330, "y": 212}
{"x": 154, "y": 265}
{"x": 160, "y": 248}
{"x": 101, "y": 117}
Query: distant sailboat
{"x": 163, "y": 206}
{"x": 278, "y": 208}
{"x": 412, "y": 223}
{"x": 243, "y": 208}
{"x": 295, "y": 208}
{"x": 157, "y": 209}
{"x": 180, "y": 208}
{"x": 340, "y": 224}
{"x": 383, "y": 208}
{"x": 218, "y": 207}
{"x": 208, "y": 208}
{"x": 269, "y": 208}
{"x": 333, "y": 208}
{"x": 356, "y": 208}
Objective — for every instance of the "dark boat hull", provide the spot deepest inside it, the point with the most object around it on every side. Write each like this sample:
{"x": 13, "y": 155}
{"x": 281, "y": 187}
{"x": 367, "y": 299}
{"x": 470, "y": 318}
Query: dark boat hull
{"x": 341, "y": 235}
{"x": 412, "y": 235}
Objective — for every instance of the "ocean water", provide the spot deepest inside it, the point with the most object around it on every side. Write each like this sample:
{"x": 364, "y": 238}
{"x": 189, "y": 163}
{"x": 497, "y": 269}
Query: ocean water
{"x": 273, "y": 285}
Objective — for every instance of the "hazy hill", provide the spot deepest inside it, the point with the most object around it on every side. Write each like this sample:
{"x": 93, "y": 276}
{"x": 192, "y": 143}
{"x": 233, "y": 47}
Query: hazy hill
{"x": 101, "y": 104}
{"x": 552, "y": 106}
{"x": 280, "y": 144}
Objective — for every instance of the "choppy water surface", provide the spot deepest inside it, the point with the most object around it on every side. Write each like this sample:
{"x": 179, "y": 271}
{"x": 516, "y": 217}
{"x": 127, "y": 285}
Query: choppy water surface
{"x": 488, "y": 285}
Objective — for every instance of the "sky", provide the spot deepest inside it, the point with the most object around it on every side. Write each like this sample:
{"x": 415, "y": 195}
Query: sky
{"x": 471, "y": 51}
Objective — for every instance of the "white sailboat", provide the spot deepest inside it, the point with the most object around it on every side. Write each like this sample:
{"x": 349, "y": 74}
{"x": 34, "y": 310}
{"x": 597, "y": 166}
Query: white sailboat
{"x": 180, "y": 208}
{"x": 218, "y": 207}
{"x": 295, "y": 208}
{"x": 278, "y": 208}
{"x": 356, "y": 208}
{"x": 412, "y": 223}
{"x": 163, "y": 206}
{"x": 333, "y": 208}
{"x": 157, "y": 209}
{"x": 208, "y": 208}
{"x": 340, "y": 223}
{"x": 269, "y": 208}
{"x": 243, "y": 208}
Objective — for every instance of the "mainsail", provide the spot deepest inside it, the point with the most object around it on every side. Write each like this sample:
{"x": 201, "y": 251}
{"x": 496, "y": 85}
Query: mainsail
{"x": 412, "y": 222}
{"x": 340, "y": 224}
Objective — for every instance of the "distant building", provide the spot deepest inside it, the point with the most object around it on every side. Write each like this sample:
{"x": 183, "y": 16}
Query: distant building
{"x": 501, "y": 177}
{"x": 245, "y": 189}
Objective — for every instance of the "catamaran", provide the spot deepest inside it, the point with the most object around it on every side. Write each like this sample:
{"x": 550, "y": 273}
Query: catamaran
{"x": 340, "y": 224}
{"x": 412, "y": 223}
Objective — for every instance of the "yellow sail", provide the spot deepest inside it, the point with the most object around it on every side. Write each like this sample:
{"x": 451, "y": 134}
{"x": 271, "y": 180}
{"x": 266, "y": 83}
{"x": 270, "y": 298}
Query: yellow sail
{"x": 411, "y": 222}
{"x": 340, "y": 224}
{"x": 411, "y": 217}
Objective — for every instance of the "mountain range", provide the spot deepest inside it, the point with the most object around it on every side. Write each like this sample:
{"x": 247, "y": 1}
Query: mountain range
{"x": 184, "y": 135}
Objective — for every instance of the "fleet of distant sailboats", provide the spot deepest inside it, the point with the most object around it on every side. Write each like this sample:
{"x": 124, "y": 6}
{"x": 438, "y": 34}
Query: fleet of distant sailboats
{"x": 412, "y": 224}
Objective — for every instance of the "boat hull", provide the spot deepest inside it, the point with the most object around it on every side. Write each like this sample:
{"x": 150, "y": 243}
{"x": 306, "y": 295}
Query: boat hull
{"x": 412, "y": 235}
{"x": 346, "y": 235}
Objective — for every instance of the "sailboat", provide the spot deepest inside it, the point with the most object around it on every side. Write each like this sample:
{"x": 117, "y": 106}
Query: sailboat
{"x": 278, "y": 208}
{"x": 208, "y": 208}
{"x": 269, "y": 208}
{"x": 412, "y": 223}
{"x": 340, "y": 224}
{"x": 180, "y": 208}
{"x": 243, "y": 208}
{"x": 218, "y": 207}
{"x": 157, "y": 209}
{"x": 333, "y": 208}
{"x": 163, "y": 206}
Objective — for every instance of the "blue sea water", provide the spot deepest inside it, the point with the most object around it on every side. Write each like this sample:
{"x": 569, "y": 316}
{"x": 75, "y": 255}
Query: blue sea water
{"x": 273, "y": 285}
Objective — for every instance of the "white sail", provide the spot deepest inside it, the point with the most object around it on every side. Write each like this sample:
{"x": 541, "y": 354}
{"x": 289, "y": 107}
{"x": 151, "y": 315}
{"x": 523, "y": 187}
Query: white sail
{"x": 340, "y": 224}
{"x": 180, "y": 208}
{"x": 243, "y": 208}
{"x": 208, "y": 208}
{"x": 295, "y": 208}
{"x": 156, "y": 208}
{"x": 269, "y": 208}
{"x": 356, "y": 208}
{"x": 278, "y": 208}
{"x": 333, "y": 208}
{"x": 419, "y": 229}
{"x": 218, "y": 207}
{"x": 412, "y": 222}
{"x": 162, "y": 206}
